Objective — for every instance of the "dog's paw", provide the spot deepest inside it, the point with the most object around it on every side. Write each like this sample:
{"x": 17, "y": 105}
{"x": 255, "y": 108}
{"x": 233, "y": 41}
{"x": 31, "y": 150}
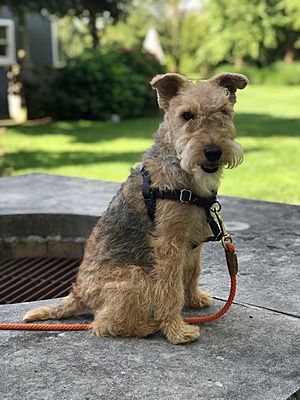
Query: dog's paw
{"x": 178, "y": 332}
{"x": 39, "y": 314}
{"x": 200, "y": 299}
{"x": 99, "y": 329}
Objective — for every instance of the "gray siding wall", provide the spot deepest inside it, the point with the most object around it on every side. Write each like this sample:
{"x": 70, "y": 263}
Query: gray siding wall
{"x": 40, "y": 40}
{"x": 3, "y": 94}
{"x": 4, "y": 13}
{"x": 40, "y": 48}
{"x": 39, "y": 36}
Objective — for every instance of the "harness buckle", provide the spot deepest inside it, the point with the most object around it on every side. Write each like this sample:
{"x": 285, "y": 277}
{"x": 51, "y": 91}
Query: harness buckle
{"x": 182, "y": 197}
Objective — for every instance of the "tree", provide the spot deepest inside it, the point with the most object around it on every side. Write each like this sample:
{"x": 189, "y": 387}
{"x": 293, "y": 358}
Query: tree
{"x": 257, "y": 31}
{"x": 179, "y": 28}
{"x": 106, "y": 10}
{"x": 236, "y": 30}
{"x": 182, "y": 33}
{"x": 289, "y": 22}
{"x": 112, "y": 10}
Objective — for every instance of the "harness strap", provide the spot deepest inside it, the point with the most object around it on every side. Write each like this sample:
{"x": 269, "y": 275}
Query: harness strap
{"x": 148, "y": 194}
{"x": 184, "y": 196}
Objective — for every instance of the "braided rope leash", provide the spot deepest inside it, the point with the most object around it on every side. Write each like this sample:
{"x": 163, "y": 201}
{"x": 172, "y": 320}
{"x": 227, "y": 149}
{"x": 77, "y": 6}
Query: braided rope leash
{"x": 45, "y": 327}
{"x": 232, "y": 265}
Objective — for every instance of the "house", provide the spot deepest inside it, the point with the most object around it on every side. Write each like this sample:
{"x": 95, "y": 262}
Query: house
{"x": 42, "y": 48}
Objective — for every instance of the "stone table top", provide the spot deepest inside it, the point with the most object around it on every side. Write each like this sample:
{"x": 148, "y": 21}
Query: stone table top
{"x": 54, "y": 194}
{"x": 250, "y": 353}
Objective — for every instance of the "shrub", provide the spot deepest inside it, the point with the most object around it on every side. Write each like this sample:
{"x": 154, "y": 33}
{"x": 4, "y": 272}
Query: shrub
{"x": 96, "y": 86}
{"x": 275, "y": 74}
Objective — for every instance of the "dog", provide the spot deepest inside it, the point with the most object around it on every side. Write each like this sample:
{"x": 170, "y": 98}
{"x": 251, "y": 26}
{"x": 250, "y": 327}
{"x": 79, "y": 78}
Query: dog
{"x": 141, "y": 263}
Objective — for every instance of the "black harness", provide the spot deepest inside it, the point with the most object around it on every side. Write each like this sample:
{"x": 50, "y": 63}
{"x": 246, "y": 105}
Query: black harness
{"x": 184, "y": 196}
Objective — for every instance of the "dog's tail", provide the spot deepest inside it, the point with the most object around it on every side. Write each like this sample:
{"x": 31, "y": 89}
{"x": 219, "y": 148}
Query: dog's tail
{"x": 69, "y": 306}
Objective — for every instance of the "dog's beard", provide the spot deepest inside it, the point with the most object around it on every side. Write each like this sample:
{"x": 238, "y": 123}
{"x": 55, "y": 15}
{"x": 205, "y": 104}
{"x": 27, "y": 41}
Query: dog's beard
{"x": 191, "y": 155}
{"x": 232, "y": 153}
{"x": 206, "y": 184}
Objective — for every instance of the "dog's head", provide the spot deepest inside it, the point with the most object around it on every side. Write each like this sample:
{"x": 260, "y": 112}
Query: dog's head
{"x": 198, "y": 121}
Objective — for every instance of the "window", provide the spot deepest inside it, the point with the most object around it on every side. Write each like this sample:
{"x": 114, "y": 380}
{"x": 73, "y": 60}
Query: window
{"x": 7, "y": 42}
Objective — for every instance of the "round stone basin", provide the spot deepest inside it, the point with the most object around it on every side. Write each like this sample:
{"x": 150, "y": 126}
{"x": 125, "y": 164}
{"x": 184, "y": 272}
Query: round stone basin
{"x": 44, "y": 223}
{"x": 40, "y": 254}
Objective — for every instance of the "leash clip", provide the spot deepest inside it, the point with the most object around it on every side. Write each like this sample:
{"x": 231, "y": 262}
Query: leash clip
{"x": 225, "y": 236}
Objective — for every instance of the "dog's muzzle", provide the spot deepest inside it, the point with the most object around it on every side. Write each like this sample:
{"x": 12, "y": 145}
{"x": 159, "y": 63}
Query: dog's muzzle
{"x": 212, "y": 154}
{"x": 210, "y": 168}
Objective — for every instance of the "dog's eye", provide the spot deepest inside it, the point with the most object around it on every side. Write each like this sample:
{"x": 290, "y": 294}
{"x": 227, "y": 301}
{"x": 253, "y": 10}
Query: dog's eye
{"x": 188, "y": 115}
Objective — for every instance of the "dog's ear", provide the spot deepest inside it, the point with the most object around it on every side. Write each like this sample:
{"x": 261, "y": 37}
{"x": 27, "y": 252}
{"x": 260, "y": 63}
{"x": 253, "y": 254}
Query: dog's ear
{"x": 231, "y": 82}
{"x": 167, "y": 87}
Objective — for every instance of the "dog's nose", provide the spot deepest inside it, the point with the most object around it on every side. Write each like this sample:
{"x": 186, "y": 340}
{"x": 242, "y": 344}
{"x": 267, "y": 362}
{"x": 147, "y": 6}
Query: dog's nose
{"x": 213, "y": 153}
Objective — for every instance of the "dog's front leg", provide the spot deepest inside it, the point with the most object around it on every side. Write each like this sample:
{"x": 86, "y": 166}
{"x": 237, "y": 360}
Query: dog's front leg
{"x": 168, "y": 291}
{"x": 194, "y": 296}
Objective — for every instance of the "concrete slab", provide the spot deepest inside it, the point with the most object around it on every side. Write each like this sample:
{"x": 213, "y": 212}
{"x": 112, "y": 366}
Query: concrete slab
{"x": 267, "y": 234}
{"x": 248, "y": 354}
{"x": 268, "y": 246}
{"x": 251, "y": 353}
{"x": 54, "y": 194}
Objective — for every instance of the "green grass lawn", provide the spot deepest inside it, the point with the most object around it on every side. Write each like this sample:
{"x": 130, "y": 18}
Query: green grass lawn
{"x": 268, "y": 127}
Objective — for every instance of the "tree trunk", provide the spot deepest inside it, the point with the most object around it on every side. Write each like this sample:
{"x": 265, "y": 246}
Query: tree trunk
{"x": 16, "y": 86}
{"x": 23, "y": 52}
{"x": 290, "y": 50}
{"x": 178, "y": 18}
{"x": 238, "y": 62}
{"x": 94, "y": 31}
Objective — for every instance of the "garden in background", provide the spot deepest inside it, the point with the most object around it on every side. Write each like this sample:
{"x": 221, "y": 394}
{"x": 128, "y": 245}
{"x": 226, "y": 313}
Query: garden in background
{"x": 267, "y": 121}
{"x": 104, "y": 112}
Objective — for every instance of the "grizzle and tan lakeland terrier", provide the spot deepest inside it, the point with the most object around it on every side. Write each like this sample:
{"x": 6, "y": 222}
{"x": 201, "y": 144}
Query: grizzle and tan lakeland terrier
{"x": 142, "y": 260}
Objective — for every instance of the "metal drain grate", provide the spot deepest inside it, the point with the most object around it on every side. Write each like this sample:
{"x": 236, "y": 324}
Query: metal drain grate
{"x": 32, "y": 279}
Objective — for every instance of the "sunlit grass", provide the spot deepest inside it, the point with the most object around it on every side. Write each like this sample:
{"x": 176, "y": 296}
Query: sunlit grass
{"x": 267, "y": 123}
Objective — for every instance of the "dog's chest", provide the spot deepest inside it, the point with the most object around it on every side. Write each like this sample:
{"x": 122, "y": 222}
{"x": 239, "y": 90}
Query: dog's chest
{"x": 198, "y": 228}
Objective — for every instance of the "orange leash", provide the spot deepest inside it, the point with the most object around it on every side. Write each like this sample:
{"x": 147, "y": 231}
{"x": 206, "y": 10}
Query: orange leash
{"x": 200, "y": 320}
{"x": 81, "y": 327}
{"x": 230, "y": 253}
{"x": 232, "y": 265}
{"x": 45, "y": 327}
